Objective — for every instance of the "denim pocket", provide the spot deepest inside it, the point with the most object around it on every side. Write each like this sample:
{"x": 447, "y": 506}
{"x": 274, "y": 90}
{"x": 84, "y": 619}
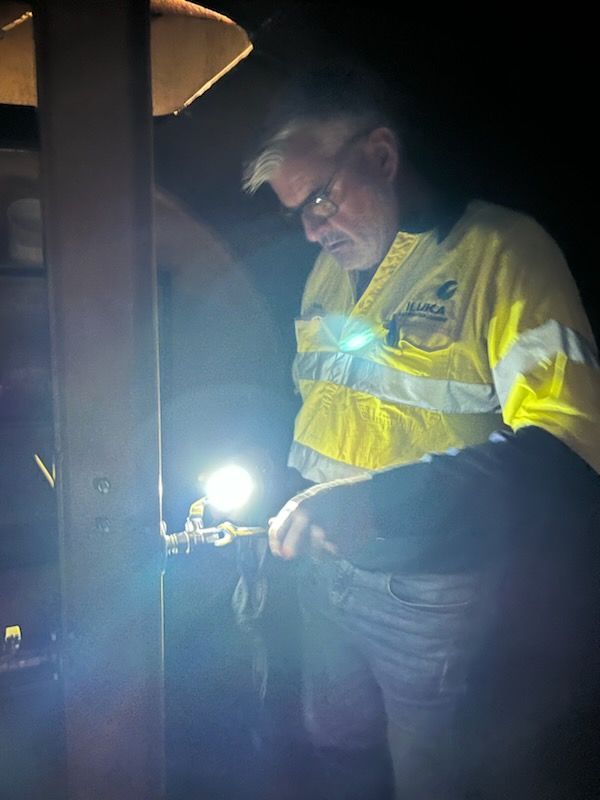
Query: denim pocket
{"x": 435, "y": 593}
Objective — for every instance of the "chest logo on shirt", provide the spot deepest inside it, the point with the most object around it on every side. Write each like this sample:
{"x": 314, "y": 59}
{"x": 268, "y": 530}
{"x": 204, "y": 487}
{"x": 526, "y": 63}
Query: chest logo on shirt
{"x": 432, "y": 310}
{"x": 423, "y": 311}
{"x": 447, "y": 290}
{"x": 435, "y": 311}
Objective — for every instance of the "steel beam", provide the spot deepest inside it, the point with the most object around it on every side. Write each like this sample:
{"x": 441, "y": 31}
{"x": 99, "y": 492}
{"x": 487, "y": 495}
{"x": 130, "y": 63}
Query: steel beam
{"x": 94, "y": 98}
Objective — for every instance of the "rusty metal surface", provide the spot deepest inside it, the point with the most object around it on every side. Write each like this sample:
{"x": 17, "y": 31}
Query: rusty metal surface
{"x": 96, "y": 178}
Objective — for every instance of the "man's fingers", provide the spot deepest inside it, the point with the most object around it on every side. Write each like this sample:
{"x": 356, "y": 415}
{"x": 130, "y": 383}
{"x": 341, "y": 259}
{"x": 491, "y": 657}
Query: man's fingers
{"x": 295, "y": 535}
{"x": 278, "y": 526}
{"x": 286, "y": 538}
{"x": 276, "y": 534}
{"x": 291, "y": 534}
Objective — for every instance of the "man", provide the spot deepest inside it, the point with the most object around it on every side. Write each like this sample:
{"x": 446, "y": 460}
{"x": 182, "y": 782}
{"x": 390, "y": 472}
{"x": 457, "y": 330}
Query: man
{"x": 450, "y": 426}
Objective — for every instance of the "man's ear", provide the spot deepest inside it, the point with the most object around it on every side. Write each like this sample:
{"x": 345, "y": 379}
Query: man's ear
{"x": 383, "y": 151}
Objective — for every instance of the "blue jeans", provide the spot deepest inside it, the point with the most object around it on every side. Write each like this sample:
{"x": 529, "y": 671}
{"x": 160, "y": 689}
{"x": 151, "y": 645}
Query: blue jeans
{"x": 385, "y": 666}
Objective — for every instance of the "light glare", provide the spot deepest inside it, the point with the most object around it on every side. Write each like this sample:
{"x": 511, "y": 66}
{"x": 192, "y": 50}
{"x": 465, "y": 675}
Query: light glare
{"x": 229, "y": 488}
{"x": 357, "y": 341}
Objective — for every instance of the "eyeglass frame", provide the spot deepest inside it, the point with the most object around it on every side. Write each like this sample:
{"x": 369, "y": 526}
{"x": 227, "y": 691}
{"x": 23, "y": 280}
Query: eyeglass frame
{"x": 319, "y": 198}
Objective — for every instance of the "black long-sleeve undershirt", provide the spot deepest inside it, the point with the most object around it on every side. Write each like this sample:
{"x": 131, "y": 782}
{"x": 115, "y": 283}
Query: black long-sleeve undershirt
{"x": 456, "y": 511}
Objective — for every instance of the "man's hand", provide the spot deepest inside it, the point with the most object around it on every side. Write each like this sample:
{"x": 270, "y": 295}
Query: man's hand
{"x": 327, "y": 518}
{"x": 293, "y": 532}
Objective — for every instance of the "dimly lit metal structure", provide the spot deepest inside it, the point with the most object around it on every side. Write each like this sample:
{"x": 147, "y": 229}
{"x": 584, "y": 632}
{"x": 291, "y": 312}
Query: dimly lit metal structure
{"x": 96, "y": 166}
{"x": 96, "y": 84}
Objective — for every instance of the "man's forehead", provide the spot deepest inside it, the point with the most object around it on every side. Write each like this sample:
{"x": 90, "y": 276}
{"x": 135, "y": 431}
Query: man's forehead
{"x": 317, "y": 140}
{"x": 305, "y": 148}
{"x": 304, "y": 167}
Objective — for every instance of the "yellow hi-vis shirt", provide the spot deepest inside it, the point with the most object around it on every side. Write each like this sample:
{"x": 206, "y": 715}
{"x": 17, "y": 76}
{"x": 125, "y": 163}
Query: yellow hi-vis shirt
{"x": 450, "y": 341}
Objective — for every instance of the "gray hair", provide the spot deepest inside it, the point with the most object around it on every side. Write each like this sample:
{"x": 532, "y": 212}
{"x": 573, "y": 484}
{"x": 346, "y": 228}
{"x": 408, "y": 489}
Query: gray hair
{"x": 327, "y": 136}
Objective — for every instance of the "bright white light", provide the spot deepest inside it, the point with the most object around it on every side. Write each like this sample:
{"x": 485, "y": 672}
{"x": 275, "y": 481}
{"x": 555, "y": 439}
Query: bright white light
{"x": 357, "y": 341}
{"x": 229, "y": 488}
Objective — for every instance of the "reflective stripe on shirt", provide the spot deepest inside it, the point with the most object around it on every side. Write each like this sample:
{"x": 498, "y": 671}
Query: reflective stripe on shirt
{"x": 539, "y": 345}
{"x": 316, "y": 467}
{"x": 394, "y": 386}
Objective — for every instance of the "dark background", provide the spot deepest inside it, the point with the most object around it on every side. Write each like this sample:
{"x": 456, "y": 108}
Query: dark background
{"x": 518, "y": 96}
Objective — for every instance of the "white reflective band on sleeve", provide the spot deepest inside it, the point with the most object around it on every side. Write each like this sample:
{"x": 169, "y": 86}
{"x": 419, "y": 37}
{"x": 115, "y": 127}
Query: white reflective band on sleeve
{"x": 394, "y": 386}
{"x": 318, "y": 488}
{"x": 539, "y": 345}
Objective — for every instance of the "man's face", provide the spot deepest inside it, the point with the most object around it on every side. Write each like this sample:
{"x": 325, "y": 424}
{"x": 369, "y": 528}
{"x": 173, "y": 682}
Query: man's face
{"x": 360, "y": 231}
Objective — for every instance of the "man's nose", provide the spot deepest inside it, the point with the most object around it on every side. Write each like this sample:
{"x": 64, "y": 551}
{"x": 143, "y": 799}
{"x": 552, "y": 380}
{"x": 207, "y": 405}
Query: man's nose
{"x": 313, "y": 226}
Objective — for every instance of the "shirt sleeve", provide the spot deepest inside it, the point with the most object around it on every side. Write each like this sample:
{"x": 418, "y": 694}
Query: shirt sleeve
{"x": 540, "y": 345}
{"x": 461, "y": 510}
